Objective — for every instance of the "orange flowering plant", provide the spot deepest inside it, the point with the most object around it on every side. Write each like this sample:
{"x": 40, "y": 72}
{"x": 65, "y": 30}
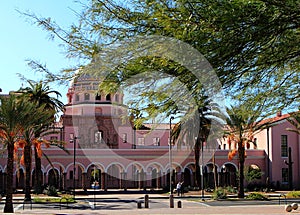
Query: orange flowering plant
{"x": 233, "y": 142}
{"x": 35, "y": 142}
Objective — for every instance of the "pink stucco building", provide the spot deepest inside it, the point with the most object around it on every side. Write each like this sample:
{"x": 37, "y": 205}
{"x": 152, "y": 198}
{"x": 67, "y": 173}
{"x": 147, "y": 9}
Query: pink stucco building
{"x": 107, "y": 148}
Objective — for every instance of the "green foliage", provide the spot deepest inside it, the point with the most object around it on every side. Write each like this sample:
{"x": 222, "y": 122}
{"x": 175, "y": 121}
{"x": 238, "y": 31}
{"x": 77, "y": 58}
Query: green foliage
{"x": 293, "y": 194}
{"x": 219, "y": 193}
{"x": 63, "y": 199}
{"x": 231, "y": 189}
{"x": 256, "y": 196}
{"x": 51, "y": 191}
{"x": 253, "y": 45}
{"x": 252, "y": 174}
{"x": 95, "y": 174}
{"x": 67, "y": 198}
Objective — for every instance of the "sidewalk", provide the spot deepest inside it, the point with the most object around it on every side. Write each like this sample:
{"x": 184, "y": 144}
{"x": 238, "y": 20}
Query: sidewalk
{"x": 158, "y": 204}
{"x": 274, "y": 210}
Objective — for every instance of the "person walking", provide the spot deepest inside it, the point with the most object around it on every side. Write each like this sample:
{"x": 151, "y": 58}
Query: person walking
{"x": 182, "y": 188}
{"x": 178, "y": 188}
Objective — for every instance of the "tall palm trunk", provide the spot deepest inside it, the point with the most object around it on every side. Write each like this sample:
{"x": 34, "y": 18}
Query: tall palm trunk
{"x": 8, "y": 208}
{"x": 241, "y": 152}
{"x": 38, "y": 170}
{"x": 197, "y": 159}
{"x": 27, "y": 156}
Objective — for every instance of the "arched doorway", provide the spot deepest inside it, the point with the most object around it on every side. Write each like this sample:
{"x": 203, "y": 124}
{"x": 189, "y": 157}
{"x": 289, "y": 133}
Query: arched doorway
{"x": 135, "y": 176}
{"x": 33, "y": 178}
{"x": 20, "y": 181}
{"x": 94, "y": 176}
{"x": 210, "y": 176}
{"x": 187, "y": 177}
{"x": 173, "y": 182}
{"x": 113, "y": 176}
{"x": 154, "y": 178}
{"x": 53, "y": 178}
{"x": 228, "y": 175}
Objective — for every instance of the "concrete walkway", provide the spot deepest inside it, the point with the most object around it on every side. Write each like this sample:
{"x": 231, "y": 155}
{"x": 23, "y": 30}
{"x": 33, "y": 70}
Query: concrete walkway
{"x": 158, "y": 204}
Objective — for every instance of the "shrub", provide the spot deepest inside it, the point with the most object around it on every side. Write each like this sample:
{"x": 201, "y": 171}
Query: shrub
{"x": 52, "y": 191}
{"x": 293, "y": 194}
{"x": 37, "y": 199}
{"x": 219, "y": 193}
{"x": 63, "y": 199}
{"x": 256, "y": 196}
{"x": 67, "y": 198}
{"x": 231, "y": 189}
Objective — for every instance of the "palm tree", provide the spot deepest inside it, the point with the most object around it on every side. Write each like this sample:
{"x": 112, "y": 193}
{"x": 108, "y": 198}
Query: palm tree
{"x": 241, "y": 124}
{"x": 13, "y": 114}
{"x": 202, "y": 118}
{"x": 36, "y": 121}
{"x": 41, "y": 95}
{"x": 294, "y": 119}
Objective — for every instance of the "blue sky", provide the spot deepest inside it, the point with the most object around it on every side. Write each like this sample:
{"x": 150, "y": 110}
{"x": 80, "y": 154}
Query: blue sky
{"x": 20, "y": 40}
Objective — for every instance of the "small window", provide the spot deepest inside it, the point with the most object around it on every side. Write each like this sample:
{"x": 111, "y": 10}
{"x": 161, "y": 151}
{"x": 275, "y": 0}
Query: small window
{"x": 156, "y": 141}
{"x": 98, "y": 97}
{"x": 77, "y": 97}
{"x": 117, "y": 98}
{"x": 284, "y": 146}
{"x": 98, "y": 137}
{"x": 108, "y": 97}
{"x": 86, "y": 96}
{"x": 141, "y": 141}
{"x": 124, "y": 137}
{"x": 284, "y": 175}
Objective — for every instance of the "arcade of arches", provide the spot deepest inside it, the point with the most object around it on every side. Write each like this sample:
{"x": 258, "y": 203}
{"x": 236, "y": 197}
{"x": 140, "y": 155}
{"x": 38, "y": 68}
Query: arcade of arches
{"x": 116, "y": 176}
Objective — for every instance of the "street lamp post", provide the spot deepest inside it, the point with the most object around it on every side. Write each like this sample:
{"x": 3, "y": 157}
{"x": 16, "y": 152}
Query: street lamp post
{"x": 201, "y": 166}
{"x": 202, "y": 175}
{"x": 170, "y": 162}
{"x": 94, "y": 186}
{"x": 73, "y": 140}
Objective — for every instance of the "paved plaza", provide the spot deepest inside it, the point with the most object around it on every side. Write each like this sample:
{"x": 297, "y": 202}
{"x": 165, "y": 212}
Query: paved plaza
{"x": 158, "y": 204}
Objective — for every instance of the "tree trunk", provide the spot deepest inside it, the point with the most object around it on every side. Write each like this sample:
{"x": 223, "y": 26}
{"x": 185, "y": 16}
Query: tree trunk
{"x": 215, "y": 171}
{"x": 241, "y": 151}
{"x": 197, "y": 166}
{"x": 27, "y": 160}
{"x": 37, "y": 175}
{"x": 8, "y": 208}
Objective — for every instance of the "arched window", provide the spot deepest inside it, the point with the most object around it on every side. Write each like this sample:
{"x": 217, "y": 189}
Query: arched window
{"x": 98, "y": 137}
{"x": 86, "y": 96}
{"x": 108, "y": 97}
{"x": 98, "y": 97}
